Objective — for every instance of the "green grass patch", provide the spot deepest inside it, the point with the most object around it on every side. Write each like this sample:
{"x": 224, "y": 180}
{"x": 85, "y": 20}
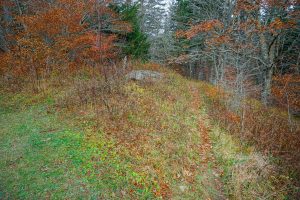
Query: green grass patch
{"x": 43, "y": 156}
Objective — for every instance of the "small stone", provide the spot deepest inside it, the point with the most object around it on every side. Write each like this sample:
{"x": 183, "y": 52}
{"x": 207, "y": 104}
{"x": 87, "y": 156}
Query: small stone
{"x": 183, "y": 188}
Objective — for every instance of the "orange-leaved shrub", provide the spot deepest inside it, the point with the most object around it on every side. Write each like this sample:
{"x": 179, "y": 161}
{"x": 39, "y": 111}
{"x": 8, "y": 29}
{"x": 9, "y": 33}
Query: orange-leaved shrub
{"x": 60, "y": 38}
{"x": 285, "y": 90}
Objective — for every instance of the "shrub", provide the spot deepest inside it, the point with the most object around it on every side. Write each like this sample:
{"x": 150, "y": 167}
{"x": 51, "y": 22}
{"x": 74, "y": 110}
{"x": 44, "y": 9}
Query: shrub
{"x": 269, "y": 129}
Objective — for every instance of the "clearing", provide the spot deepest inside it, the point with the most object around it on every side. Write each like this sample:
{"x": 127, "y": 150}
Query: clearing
{"x": 156, "y": 142}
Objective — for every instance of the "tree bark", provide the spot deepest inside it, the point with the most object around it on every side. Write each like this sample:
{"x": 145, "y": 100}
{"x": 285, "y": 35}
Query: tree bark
{"x": 268, "y": 53}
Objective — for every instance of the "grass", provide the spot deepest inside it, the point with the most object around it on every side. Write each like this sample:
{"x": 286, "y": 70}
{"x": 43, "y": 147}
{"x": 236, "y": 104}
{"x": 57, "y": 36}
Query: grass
{"x": 246, "y": 173}
{"x": 44, "y": 156}
{"x": 147, "y": 148}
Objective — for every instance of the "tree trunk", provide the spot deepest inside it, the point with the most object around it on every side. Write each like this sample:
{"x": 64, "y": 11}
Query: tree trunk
{"x": 268, "y": 53}
{"x": 3, "y": 42}
{"x": 267, "y": 85}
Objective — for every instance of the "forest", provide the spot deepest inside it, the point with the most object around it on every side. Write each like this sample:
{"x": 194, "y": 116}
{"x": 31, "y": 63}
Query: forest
{"x": 150, "y": 99}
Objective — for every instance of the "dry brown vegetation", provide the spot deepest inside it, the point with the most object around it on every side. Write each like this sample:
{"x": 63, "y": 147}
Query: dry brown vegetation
{"x": 164, "y": 133}
{"x": 269, "y": 129}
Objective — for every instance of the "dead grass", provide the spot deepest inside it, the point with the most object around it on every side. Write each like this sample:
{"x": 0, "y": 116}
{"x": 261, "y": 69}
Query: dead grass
{"x": 247, "y": 174}
{"x": 268, "y": 129}
{"x": 162, "y": 131}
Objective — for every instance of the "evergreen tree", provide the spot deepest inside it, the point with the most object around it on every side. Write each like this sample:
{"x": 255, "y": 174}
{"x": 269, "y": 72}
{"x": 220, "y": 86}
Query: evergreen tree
{"x": 134, "y": 43}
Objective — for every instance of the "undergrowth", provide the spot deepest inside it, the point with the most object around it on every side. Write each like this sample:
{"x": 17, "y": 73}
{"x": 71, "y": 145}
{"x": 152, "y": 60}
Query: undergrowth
{"x": 266, "y": 129}
{"x": 121, "y": 139}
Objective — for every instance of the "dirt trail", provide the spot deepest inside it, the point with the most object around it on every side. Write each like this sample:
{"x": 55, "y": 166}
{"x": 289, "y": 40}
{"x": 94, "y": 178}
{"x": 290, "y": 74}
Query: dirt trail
{"x": 209, "y": 166}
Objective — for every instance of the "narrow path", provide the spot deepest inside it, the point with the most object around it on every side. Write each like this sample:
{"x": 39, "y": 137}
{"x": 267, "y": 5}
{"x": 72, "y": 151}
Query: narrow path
{"x": 208, "y": 164}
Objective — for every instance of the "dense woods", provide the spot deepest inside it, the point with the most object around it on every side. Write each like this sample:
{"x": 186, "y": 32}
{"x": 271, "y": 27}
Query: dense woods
{"x": 243, "y": 46}
{"x": 240, "y": 60}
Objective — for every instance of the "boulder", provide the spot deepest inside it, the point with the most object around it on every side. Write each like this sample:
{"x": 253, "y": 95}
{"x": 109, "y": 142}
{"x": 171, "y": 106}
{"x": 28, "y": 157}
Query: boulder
{"x": 141, "y": 75}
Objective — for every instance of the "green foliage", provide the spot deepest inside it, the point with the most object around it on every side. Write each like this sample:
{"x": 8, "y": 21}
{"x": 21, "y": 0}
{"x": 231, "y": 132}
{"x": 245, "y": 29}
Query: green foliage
{"x": 182, "y": 16}
{"x": 135, "y": 43}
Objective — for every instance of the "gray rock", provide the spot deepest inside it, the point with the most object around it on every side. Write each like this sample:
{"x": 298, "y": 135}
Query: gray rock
{"x": 141, "y": 75}
{"x": 183, "y": 188}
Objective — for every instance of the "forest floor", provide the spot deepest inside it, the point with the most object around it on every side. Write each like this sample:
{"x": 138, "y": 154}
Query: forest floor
{"x": 158, "y": 143}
